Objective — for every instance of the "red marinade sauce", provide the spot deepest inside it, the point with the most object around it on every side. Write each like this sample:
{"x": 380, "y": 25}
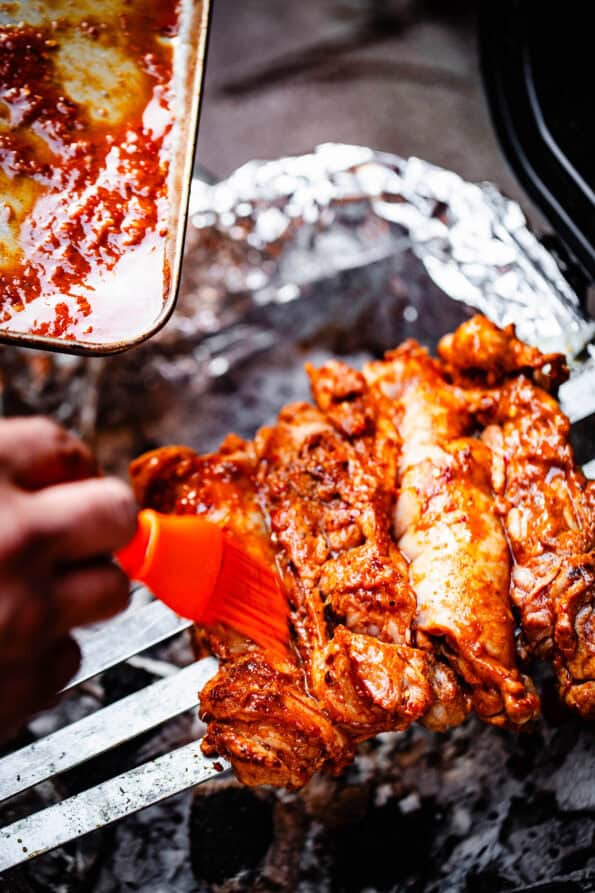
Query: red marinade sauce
{"x": 81, "y": 188}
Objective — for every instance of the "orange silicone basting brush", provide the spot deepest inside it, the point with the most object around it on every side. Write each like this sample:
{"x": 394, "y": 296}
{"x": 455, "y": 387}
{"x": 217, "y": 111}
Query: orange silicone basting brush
{"x": 204, "y": 574}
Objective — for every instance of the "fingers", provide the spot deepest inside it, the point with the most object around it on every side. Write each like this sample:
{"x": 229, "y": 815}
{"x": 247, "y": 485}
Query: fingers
{"x": 28, "y": 687}
{"x": 85, "y": 519}
{"x": 36, "y": 452}
{"x": 58, "y": 521}
{"x": 87, "y": 595}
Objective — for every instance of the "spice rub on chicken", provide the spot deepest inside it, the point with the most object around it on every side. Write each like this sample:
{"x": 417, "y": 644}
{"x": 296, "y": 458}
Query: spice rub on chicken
{"x": 362, "y": 416}
{"x": 259, "y": 713}
{"x": 347, "y": 584}
{"x": 447, "y": 527}
{"x": 415, "y": 513}
{"x": 546, "y": 504}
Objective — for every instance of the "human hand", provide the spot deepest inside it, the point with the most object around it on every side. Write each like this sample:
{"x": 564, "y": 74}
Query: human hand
{"x": 59, "y": 525}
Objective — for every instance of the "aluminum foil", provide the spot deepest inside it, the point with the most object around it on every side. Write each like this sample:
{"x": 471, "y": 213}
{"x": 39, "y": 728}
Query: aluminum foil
{"x": 346, "y": 206}
{"x": 342, "y": 251}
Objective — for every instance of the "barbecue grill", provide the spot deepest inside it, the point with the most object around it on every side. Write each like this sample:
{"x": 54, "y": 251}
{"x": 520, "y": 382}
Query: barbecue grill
{"x": 146, "y": 624}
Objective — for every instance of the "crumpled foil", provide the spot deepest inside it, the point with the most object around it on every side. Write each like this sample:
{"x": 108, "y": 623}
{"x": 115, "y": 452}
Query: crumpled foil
{"x": 329, "y": 211}
{"x": 342, "y": 251}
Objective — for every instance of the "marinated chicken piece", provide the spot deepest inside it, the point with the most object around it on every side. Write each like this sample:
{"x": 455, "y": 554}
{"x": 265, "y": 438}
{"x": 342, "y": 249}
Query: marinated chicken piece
{"x": 549, "y": 514}
{"x": 260, "y": 716}
{"x": 548, "y": 509}
{"x": 351, "y": 603}
{"x": 342, "y": 395}
{"x": 363, "y": 417}
{"x": 483, "y": 352}
{"x": 448, "y": 529}
{"x": 264, "y": 722}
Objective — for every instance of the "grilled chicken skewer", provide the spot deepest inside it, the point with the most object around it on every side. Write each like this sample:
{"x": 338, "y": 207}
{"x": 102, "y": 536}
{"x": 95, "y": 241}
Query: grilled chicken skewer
{"x": 398, "y": 536}
{"x": 352, "y": 607}
{"x": 480, "y": 439}
{"x": 547, "y": 506}
{"x": 447, "y": 528}
{"x": 360, "y": 416}
{"x": 260, "y": 716}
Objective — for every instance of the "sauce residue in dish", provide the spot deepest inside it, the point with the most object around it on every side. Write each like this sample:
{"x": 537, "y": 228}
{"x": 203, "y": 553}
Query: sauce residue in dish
{"x": 85, "y": 130}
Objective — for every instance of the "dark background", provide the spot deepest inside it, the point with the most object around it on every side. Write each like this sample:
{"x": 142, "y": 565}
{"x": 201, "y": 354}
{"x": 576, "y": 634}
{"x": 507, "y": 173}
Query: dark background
{"x": 396, "y": 75}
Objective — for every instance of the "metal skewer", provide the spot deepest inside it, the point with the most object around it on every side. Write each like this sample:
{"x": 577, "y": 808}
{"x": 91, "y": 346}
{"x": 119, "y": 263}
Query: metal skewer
{"x": 106, "y": 803}
{"x": 138, "y": 628}
{"x": 104, "y": 729}
{"x": 135, "y": 630}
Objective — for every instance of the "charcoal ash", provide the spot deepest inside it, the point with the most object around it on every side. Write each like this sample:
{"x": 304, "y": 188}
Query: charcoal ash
{"x": 239, "y": 819}
{"x": 475, "y": 809}
{"x": 362, "y": 853}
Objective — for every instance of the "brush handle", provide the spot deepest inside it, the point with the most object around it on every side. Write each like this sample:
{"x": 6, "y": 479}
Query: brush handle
{"x": 178, "y": 557}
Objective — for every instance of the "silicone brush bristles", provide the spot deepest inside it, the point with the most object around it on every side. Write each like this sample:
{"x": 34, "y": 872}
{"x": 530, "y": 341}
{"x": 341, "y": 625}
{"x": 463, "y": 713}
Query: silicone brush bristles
{"x": 248, "y": 598}
{"x": 203, "y": 573}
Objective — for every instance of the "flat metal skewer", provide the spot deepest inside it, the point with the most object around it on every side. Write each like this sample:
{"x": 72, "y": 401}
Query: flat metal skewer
{"x": 106, "y": 803}
{"x": 133, "y": 631}
{"x": 104, "y": 729}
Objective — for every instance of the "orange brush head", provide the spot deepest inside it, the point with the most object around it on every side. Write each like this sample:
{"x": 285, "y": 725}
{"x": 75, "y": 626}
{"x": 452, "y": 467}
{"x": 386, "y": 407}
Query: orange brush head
{"x": 206, "y": 575}
{"x": 248, "y": 597}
